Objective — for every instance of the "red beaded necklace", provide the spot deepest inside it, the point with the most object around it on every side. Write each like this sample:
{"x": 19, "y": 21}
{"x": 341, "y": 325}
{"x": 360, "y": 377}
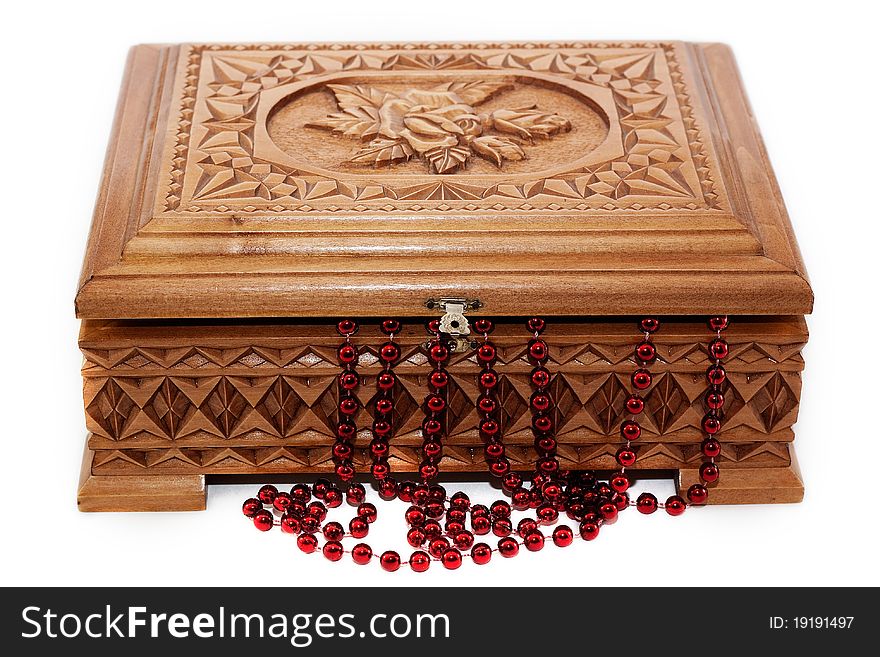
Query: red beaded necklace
{"x": 583, "y": 497}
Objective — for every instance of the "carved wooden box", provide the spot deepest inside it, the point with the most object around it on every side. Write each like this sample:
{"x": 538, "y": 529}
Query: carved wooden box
{"x": 255, "y": 194}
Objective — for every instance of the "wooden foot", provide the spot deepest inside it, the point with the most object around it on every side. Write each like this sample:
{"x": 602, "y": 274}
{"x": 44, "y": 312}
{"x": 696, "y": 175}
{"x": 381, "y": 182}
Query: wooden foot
{"x": 138, "y": 493}
{"x": 751, "y": 485}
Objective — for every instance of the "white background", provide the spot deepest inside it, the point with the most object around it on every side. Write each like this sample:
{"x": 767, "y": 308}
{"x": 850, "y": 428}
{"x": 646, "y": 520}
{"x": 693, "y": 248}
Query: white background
{"x": 811, "y": 70}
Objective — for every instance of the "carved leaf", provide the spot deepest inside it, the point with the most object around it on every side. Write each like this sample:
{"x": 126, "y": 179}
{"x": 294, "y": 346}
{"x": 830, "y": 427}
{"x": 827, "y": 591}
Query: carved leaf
{"x": 352, "y": 96}
{"x": 529, "y": 122}
{"x": 383, "y": 151}
{"x": 474, "y": 93}
{"x": 356, "y": 122}
{"x": 447, "y": 158}
{"x": 497, "y": 149}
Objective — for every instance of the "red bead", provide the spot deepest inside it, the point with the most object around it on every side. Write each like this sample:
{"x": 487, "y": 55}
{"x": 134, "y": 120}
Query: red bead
{"x": 589, "y": 530}
{"x": 499, "y": 467}
{"x": 437, "y": 547}
{"x": 309, "y": 524}
{"x": 251, "y": 506}
{"x": 320, "y": 487}
{"x": 361, "y": 554}
{"x": 367, "y": 511}
{"x": 378, "y": 448}
{"x": 508, "y": 547}
{"x": 385, "y": 380}
{"x": 536, "y": 325}
{"x": 384, "y": 406}
{"x": 698, "y": 494}
{"x": 416, "y": 536}
{"x": 432, "y": 449}
{"x": 562, "y": 536}
{"x": 419, "y": 561}
{"x": 538, "y": 351}
{"x": 438, "y": 352}
{"x": 434, "y": 509}
{"x": 716, "y": 375}
{"x": 511, "y": 481}
{"x": 486, "y": 352}
{"x": 711, "y": 424}
{"x": 355, "y": 494}
{"x": 719, "y": 323}
{"x": 415, "y": 516}
{"x": 641, "y": 379}
{"x": 307, "y": 543}
{"x": 551, "y": 491}
{"x": 435, "y": 403}
{"x": 494, "y": 450}
{"x": 626, "y": 457}
{"x": 547, "y": 514}
{"x": 483, "y": 326}
{"x": 282, "y": 501}
{"x": 546, "y": 445}
{"x": 540, "y": 377}
{"x": 480, "y": 511}
{"x": 290, "y": 524}
{"x": 481, "y": 554}
{"x": 432, "y": 530}
{"x": 358, "y": 527}
{"x": 488, "y": 379}
{"x": 649, "y": 325}
{"x": 646, "y": 503}
{"x": 389, "y": 352}
{"x": 346, "y": 430}
{"x": 534, "y": 541}
{"x": 439, "y": 379}
{"x": 489, "y": 427}
{"x": 608, "y": 512}
{"x": 432, "y": 326}
{"x": 500, "y": 509}
{"x": 630, "y": 430}
{"x": 345, "y": 471}
{"x": 380, "y": 469}
{"x": 405, "y": 491}
{"x": 620, "y": 500}
{"x": 526, "y": 526}
{"x": 463, "y": 540}
{"x": 428, "y": 470}
{"x": 619, "y": 482}
{"x": 390, "y": 561}
{"x": 542, "y": 423}
{"x": 420, "y": 495}
{"x": 388, "y": 489}
{"x": 451, "y": 559}
{"x": 342, "y": 451}
{"x": 719, "y": 349}
{"x": 347, "y": 327}
{"x": 349, "y": 380}
{"x": 502, "y": 527}
{"x": 710, "y": 448}
{"x": 460, "y": 500}
{"x": 348, "y": 405}
{"x": 332, "y": 550}
{"x": 347, "y": 354}
{"x": 437, "y": 493}
{"x": 487, "y": 404}
{"x": 333, "y": 531}
{"x": 635, "y": 404}
{"x": 548, "y": 465}
{"x": 390, "y": 326}
{"x": 263, "y": 520}
{"x": 540, "y": 402}
{"x": 645, "y": 352}
{"x": 432, "y": 426}
{"x": 714, "y": 400}
{"x": 267, "y": 494}
{"x": 481, "y": 525}
{"x": 675, "y": 505}
{"x": 709, "y": 472}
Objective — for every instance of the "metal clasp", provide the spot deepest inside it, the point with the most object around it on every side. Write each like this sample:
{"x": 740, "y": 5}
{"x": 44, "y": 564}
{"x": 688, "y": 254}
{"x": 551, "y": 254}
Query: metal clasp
{"x": 454, "y": 326}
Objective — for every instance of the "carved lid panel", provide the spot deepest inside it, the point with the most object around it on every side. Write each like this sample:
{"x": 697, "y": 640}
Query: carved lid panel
{"x": 562, "y": 178}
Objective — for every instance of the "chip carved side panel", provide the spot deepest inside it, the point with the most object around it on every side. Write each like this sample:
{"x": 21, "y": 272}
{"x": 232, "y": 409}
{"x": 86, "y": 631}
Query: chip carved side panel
{"x": 241, "y": 408}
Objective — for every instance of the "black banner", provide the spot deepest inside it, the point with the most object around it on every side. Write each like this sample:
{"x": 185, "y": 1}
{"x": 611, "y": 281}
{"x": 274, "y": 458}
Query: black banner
{"x": 400, "y": 620}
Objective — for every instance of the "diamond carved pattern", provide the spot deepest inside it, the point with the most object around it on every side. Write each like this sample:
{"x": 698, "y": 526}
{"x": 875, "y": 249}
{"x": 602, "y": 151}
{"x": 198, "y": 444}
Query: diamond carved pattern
{"x": 774, "y": 401}
{"x": 112, "y": 408}
{"x": 224, "y": 407}
{"x": 281, "y": 406}
{"x": 606, "y": 405}
{"x": 170, "y": 408}
{"x": 666, "y": 401}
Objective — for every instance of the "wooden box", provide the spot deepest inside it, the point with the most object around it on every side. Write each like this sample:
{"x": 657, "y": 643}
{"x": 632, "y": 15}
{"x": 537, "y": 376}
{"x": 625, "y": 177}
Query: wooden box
{"x": 255, "y": 194}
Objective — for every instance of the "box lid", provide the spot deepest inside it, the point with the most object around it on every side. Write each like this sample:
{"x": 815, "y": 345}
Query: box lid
{"x": 354, "y": 179}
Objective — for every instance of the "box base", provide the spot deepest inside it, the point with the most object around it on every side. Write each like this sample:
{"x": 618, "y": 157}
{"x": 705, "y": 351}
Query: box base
{"x": 188, "y": 492}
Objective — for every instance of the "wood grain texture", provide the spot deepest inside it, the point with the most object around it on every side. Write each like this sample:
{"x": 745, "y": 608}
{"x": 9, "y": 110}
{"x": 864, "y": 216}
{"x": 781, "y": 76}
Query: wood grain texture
{"x": 165, "y": 399}
{"x": 571, "y": 179}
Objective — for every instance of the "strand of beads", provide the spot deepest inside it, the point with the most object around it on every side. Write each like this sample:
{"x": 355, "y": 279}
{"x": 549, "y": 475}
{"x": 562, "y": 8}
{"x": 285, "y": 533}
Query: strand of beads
{"x": 716, "y": 375}
{"x": 434, "y": 424}
{"x": 487, "y": 404}
{"x": 348, "y": 381}
{"x": 383, "y": 408}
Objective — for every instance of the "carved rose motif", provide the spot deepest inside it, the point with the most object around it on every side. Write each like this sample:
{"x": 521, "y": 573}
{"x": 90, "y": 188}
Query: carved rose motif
{"x": 438, "y": 125}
